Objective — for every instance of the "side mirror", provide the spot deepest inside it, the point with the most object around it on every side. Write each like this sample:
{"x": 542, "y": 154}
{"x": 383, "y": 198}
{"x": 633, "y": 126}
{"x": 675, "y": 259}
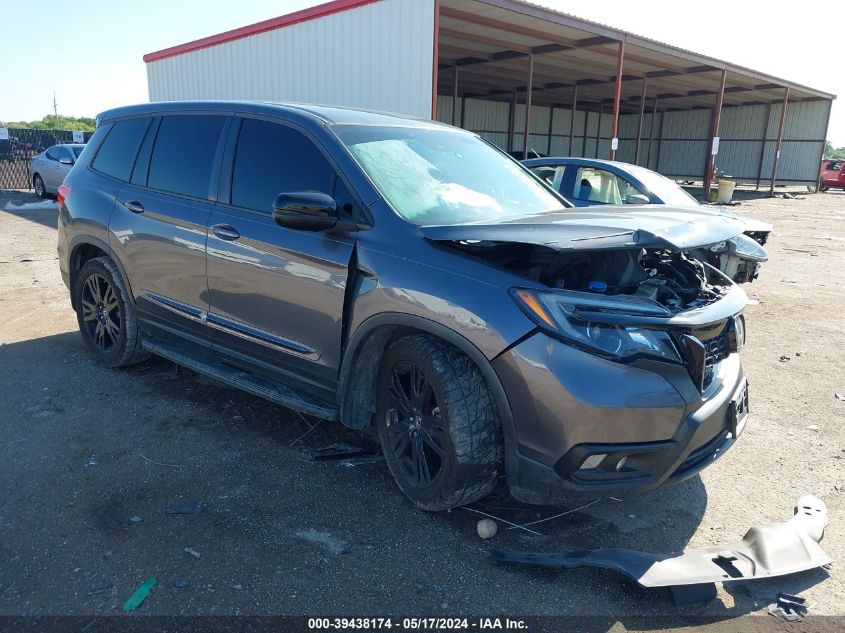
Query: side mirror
{"x": 64, "y": 160}
{"x": 305, "y": 211}
{"x": 637, "y": 198}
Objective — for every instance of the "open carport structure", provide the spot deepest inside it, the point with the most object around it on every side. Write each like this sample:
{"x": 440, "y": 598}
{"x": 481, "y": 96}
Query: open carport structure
{"x": 510, "y": 70}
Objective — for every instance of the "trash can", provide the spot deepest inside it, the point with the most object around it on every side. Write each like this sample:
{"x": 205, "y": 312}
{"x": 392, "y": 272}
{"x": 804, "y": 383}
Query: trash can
{"x": 726, "y": 191}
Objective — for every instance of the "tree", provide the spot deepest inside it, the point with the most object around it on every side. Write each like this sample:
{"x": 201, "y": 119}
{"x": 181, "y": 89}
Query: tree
{"x": 833, "y": 152}
{"x": 57, "y": 122}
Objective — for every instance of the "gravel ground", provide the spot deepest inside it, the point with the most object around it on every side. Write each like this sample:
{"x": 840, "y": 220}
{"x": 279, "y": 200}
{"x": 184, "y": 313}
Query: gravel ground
{"x": 91, "y": 459}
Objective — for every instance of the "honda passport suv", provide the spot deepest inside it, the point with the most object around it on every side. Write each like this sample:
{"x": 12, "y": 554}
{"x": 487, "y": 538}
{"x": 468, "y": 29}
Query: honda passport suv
{"x": 407, "y": 277}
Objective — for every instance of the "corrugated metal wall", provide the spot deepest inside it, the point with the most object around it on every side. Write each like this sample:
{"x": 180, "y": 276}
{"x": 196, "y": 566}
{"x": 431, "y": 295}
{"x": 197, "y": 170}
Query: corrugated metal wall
{"x": 490, "y": 120}
{"x": 675, "y": 143}
{"x": 317, "y": 61}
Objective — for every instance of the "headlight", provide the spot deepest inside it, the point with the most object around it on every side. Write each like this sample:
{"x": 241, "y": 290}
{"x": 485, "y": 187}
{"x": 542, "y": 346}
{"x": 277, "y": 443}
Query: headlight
{"x": 743, "y": 246}
{"x": 555, "y": 315}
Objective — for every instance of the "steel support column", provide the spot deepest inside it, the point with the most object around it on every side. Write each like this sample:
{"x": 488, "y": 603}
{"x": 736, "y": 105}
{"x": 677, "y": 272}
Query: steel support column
{"x": 763, "y": 146}
{"x": 551, "y": 129}
{"x": 824, "y": 143}
{"x": 640, "y": 124}
{"x": 511, "y": 121}
{"x": 584, "y": 138}
{"x": 717, "y": 117}
{"x": 455, "y": 96}
{"x": 620, "y": 60}
{"x": 779, "y": 142}
{"x": 570, "y": 152}
{"x": 528, "y": 90}
{"x": 598, "y": 131}
{"x": 651, "y": 135}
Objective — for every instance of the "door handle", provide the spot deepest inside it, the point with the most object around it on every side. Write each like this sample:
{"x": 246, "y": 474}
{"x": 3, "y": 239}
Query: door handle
{"x": 134, "y": 206}
{"x": 225, "y": 232}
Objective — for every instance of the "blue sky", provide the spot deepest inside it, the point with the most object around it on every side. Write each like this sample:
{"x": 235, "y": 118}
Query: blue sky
{"x": 90, "y": 52}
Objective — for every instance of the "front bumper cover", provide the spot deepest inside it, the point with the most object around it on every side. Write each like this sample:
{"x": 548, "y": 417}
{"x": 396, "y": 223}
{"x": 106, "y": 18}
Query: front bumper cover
{"x": 765, "y": 551}
{"x": 576, "y": 416}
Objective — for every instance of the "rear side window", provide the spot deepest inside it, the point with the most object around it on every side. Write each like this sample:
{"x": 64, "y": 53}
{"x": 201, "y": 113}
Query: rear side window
{"x": 184, "y": 153}
{"x": 117, "y": 153}
{"x": 273, "y": 159}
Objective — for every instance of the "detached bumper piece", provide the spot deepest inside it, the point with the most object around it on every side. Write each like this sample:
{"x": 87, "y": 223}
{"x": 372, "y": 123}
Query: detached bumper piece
{"x": 766, "y": 551}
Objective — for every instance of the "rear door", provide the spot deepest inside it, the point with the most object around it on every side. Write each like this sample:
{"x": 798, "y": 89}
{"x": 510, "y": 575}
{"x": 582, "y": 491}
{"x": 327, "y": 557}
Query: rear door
{"x": 159, "y": 222}
{"x": 277, "y": 294}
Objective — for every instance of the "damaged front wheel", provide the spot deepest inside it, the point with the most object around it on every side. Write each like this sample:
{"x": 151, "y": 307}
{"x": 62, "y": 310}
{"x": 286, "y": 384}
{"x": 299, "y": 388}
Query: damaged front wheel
{"x": 437, "y": 424}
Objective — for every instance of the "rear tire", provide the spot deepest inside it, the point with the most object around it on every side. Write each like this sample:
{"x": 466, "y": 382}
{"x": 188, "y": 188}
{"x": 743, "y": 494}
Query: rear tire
{"x": 106, "y": 315}
{"x": 437, "y": 424}
{"x": 38, "y": 185}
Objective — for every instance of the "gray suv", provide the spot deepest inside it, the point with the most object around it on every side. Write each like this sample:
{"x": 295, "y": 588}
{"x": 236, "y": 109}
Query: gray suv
{"x": 407, "y": 277}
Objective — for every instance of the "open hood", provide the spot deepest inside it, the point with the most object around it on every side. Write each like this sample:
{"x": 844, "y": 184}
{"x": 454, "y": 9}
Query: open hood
{"x": 598, "y": 228}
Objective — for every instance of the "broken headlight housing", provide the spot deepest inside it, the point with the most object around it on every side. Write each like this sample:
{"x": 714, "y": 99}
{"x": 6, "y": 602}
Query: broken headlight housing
{"x": 555, "y": 315}
{"x": 742, "y": 246}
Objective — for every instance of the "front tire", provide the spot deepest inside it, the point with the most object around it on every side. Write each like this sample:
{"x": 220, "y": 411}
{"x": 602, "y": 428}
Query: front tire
{"x": 106, "y": 315}
{"x": 38, "y": 184}
{"x": 437, "y": 424}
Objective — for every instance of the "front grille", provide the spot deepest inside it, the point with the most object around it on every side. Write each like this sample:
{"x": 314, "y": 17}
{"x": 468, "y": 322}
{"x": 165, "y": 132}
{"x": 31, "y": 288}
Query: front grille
{"x": 715, "y": 351}
{"x": 704, "y": 348}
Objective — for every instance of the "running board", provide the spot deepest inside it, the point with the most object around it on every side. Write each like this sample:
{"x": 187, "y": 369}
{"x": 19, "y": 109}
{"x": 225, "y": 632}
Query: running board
{"x": 210, "y": 365}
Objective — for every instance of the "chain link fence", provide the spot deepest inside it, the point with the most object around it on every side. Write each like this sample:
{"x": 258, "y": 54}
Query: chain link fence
{"x": 17, "y": 151}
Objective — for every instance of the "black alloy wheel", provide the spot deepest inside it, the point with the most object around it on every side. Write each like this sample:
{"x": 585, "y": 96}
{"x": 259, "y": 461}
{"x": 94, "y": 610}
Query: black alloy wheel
{"x": 437, "y": 423}
{"x": 415, "y": 429}
{"x": 101, "y": 312}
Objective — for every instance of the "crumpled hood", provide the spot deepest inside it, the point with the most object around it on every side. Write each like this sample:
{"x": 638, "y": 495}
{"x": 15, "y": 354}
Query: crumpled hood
{"x": 603, "y": 227}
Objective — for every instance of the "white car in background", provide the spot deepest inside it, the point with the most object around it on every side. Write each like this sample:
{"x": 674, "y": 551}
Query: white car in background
{"x": 48, "y": 169}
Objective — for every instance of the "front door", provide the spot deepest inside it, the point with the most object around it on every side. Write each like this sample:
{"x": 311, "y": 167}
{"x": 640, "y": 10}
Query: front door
{"x": 276, "y": 295}
{"x": 53, "y": 172}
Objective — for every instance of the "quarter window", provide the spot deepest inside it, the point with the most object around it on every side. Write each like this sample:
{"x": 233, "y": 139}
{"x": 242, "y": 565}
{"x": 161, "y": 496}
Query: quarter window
{"x": 117, "y": 154}
{"x": 271, "y": 159}
{"x": 183, "y": 155}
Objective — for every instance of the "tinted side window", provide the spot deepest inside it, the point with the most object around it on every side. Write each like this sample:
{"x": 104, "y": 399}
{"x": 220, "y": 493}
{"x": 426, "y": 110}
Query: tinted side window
{"x": 117, "y": 153}
{"x": 184, "y": 154}
{"x": 53, "y": 153}
{"x": 65, "y": 153}
{"x": 273, "y": 159}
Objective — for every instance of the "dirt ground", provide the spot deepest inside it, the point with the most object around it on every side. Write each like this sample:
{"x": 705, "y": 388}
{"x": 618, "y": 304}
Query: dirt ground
{"x": 91, "y": 459}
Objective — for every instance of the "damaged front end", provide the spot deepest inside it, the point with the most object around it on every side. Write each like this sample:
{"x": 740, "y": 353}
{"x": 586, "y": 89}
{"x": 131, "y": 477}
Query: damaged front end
{"x": 632, "y": 377}
{"x": 625, "y": 303}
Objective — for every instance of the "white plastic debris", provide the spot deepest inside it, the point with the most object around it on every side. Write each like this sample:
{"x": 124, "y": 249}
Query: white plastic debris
{"x": 487, "y": 528}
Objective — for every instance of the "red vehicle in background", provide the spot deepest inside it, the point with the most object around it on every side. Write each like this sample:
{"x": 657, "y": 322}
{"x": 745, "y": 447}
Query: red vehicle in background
{"x": 832, "y": 174}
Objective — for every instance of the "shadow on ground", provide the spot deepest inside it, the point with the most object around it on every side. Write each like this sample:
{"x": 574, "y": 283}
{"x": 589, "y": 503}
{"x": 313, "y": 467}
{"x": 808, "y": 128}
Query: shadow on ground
{"x": 94, "y": 458}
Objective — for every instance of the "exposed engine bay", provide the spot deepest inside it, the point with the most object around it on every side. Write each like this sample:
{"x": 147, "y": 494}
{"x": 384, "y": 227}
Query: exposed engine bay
{"x": 671, "y": 279}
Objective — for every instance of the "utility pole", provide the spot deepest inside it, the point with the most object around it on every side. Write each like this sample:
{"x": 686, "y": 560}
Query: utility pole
{"x": 55, "y": 105}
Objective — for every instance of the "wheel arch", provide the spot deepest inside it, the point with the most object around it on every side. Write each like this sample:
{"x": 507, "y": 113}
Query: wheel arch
{"x": 363, "y": 353}
{"x": 84, "y": 248}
